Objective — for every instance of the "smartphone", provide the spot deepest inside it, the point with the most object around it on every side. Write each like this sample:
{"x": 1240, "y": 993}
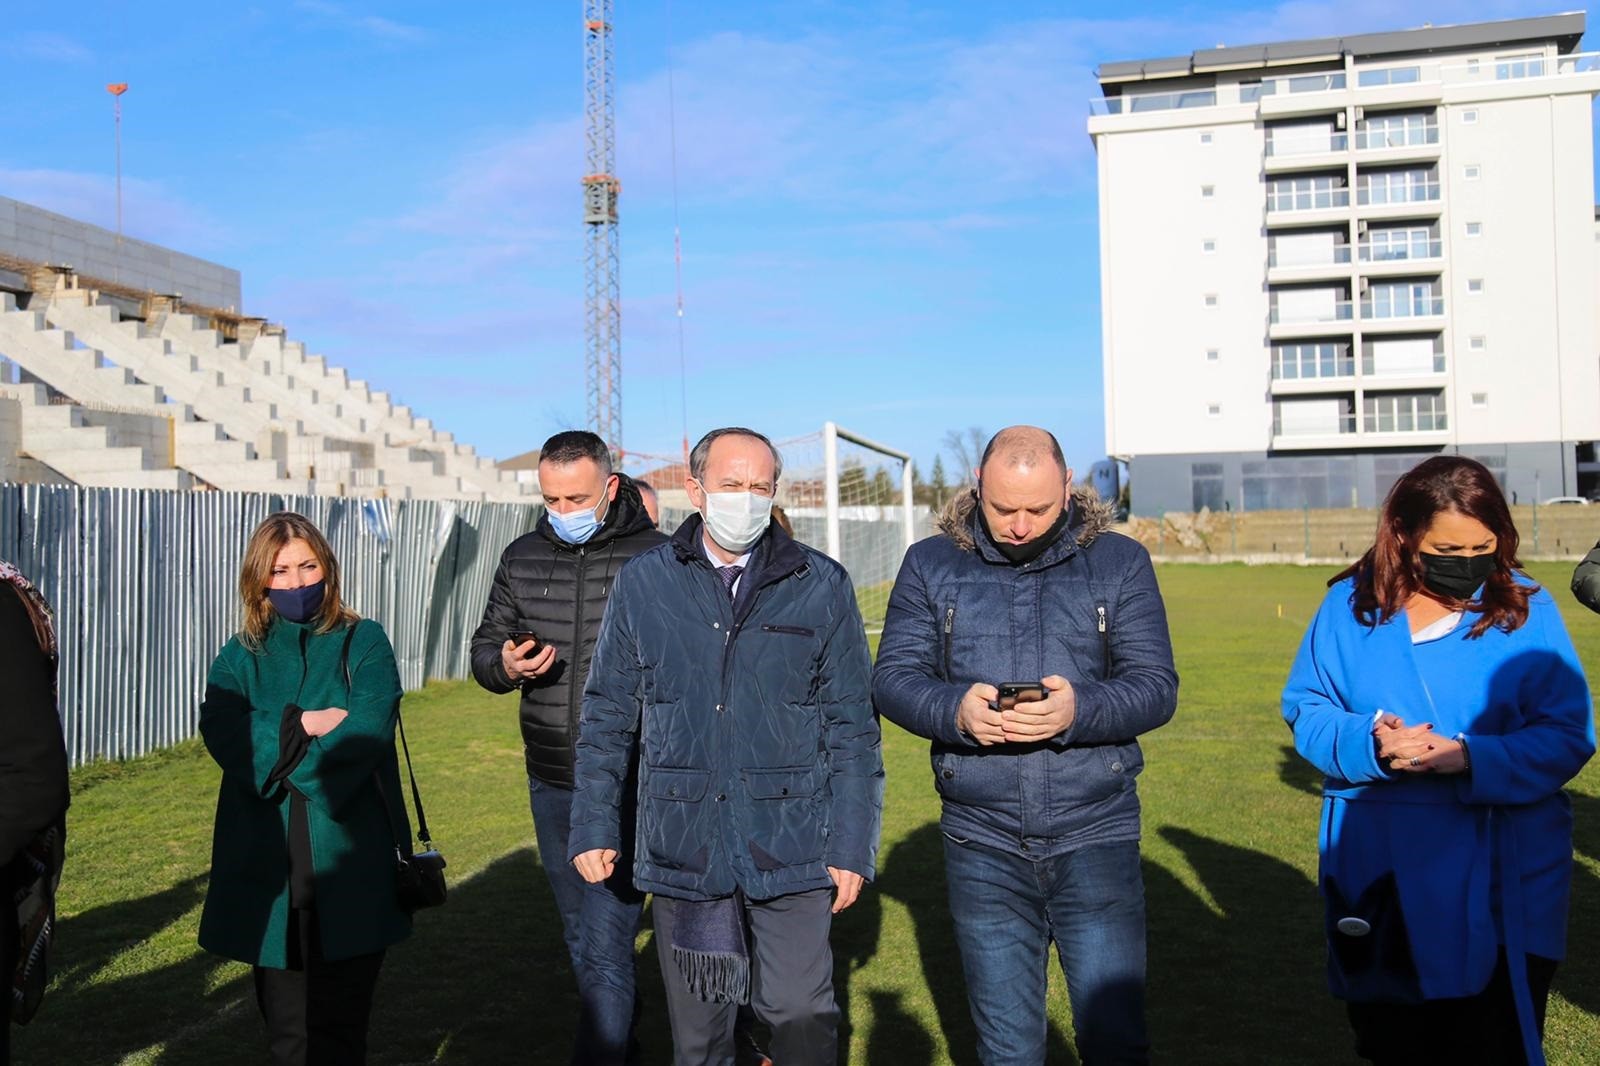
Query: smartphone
{"x": 519, "y": 637}
{"x": 1015, "y": 692}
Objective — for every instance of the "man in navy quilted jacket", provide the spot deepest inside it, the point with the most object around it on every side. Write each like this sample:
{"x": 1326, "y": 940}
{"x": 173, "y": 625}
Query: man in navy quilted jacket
{"x": 733, "y": 659}
{"x": 1025, "y": 584}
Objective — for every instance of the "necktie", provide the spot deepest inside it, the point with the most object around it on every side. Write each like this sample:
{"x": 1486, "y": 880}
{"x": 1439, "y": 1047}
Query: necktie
{"x": 729, "y": 575}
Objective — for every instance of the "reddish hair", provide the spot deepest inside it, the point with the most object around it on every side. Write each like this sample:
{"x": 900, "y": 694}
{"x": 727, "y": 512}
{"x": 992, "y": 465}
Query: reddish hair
{"x": 1390, "y": 572}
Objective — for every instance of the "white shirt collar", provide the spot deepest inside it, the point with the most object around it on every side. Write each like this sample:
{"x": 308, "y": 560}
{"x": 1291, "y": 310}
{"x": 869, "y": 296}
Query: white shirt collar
{"x": 705, "y": 546}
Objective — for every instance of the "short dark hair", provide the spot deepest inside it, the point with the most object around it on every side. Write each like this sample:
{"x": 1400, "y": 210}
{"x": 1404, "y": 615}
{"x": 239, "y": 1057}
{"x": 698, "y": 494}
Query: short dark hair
{"x": 702, "y": 450}
{"x": 570, "y": 445}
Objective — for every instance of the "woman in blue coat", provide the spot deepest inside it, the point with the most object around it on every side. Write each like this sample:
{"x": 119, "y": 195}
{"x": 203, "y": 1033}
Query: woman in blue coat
{"x": 1438, "y": 691}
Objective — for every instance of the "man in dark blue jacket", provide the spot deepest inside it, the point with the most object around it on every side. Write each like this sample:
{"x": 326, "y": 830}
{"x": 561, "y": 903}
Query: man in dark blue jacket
{"x": 1040, "y": 816}
{"x": 734, "y": 659}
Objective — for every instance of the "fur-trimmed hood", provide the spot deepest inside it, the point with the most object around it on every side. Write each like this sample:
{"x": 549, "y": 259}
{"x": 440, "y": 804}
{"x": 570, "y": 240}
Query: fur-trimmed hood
{"x": 1091, "y": 517}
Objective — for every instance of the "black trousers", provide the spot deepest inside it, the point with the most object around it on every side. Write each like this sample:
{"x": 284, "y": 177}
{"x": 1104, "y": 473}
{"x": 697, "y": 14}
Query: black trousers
{"x": 1478, "y": 1030}
{"x": 317, "y": 1012}
{"x": 791, "y": 986}
{"x": 9, "y": 947}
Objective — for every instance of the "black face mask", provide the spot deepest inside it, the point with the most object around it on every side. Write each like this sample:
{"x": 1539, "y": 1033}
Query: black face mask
{"x": 298, "y": 605}
{"x": 1027, "y": 552}
{"x": 1456, "y": 577}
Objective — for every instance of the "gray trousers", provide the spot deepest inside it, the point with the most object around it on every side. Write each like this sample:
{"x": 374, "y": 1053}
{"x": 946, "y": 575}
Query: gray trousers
{"x": 791, "y": 985}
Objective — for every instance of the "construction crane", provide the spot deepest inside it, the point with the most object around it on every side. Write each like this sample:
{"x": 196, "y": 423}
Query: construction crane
{"x": 603, "y": 311}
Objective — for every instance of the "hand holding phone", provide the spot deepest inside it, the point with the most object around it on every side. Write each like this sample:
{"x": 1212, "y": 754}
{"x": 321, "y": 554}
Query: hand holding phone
{"x": 519, "y": 637}
{"x": 524, "y": 656}
{"x": 1011, "y": 693}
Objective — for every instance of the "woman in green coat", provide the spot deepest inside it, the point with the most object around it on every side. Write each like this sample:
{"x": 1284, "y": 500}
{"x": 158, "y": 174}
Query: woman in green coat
{"x": 299, "y": 713}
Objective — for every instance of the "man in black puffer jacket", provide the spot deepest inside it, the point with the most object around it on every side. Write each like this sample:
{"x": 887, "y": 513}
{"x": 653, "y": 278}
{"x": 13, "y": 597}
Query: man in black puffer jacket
{"x": 554, "y": 582}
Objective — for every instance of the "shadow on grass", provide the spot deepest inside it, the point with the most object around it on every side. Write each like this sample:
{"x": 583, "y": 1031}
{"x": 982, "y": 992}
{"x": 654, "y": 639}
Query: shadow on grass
{"x": 1221, "y": 983}
{"x": 913, "y": 873}
{"x": 1578, "y": 977}
{"x": 1298, "y": 774}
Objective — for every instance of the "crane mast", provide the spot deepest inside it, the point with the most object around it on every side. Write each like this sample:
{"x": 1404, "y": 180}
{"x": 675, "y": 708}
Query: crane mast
{"x": 602, "y": 292}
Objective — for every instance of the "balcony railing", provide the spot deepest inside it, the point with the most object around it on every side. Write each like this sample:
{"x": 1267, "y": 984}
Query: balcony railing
{"x": 1369, "y": 368}
{"x": 1307, "y": 145}
{"x": 1330, "y": 369}
{"x": 1311, "y": 200}
{"x": 1409, "y": 193}
{"x": 1320, "y": 427}
{"x": 1339, "y": 253}
{"x": 1394, "y": 253}
{"x": 1431, "y": 74}
{"x": 1403, "y": 307}
{"x": 1406, "y": 137}
{"x": 1338, "y": 311}
{"x": 1406, "y": 422}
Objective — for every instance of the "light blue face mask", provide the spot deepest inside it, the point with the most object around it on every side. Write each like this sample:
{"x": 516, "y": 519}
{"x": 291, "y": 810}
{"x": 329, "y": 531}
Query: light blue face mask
{"x": 576, "y": 527}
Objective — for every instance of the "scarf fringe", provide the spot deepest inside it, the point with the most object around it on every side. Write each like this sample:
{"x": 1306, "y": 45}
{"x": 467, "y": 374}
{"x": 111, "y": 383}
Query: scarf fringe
{"x": 714, "y": 976}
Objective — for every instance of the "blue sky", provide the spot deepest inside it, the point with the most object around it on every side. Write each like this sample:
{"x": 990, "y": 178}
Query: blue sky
{"x": 888, "y": 208}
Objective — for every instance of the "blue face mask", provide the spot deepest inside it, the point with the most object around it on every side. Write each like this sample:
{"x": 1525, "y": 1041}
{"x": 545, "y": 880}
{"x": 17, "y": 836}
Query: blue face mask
{"x": 576, "y": 527}
{"x": 298, "y": 605}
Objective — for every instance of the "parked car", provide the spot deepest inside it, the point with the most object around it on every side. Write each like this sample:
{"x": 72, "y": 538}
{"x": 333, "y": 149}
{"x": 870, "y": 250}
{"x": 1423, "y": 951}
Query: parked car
{"x": 1556, "y": 500}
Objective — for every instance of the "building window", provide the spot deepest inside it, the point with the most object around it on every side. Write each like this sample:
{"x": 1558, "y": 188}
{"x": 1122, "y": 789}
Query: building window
{"x": 1469, "y": 117}
{"x": 1472, "y": 68}
{"x": 1477, "y": 343}
{"x": 1212, "y": 355}
{"x": 1282, "y": 484}
{"x": 1206, "y": 482}
{"x": 1389, "y": 76}
{"x": 1205, "y": 136}
{"x": 1213, "y": 410}
{"x": 1480, "y": 399}
{"x": 1312, "y": 359}
{"x": 1307, "y": 193}
{"x": 1386, "y": 244}
{"x": 1530, "y": 65}
{"x": 1403, "y": 299}
{"x": 1397, "y": 129}
{"x": 1474, "y": 285}
{"x": 1404, "y": 412}
{"x": 1471, "y": 172}
{"x": 1211, "y": 299}
{"x": 1208, "y": 191}
{"x": 1208, "y": 245}
{"x": 1407, "y": 186}
{"x": 1474, "y": 229}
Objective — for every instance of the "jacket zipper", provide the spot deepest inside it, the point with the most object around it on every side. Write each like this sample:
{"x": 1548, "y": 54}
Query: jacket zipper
{"x": 1105, "y": 641}
{"x": 577, "y": 647}
{"x": 949, "y": 627}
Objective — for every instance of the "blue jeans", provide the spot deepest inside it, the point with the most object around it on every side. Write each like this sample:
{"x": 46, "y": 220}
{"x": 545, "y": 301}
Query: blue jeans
{"x": 600, "y": 923}
{"x": 1007, "y": 909}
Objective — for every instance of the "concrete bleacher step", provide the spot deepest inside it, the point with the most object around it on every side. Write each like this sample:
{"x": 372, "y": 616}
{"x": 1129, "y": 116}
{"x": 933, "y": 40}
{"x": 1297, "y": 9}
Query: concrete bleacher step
{"x": 59, "y": 436}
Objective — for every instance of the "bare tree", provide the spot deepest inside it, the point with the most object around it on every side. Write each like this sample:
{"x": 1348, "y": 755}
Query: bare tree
{"x": 966, "y": 448}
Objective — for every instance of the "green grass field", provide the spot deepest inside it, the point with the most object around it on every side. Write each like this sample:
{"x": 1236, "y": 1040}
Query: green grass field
{"x": 1236, "y": 964}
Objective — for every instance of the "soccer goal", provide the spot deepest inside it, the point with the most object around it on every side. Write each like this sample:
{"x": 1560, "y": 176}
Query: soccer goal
{"x": 852, "y": 497}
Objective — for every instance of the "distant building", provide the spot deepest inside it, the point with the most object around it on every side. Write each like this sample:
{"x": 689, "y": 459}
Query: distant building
{"x": 1324, "y": 260}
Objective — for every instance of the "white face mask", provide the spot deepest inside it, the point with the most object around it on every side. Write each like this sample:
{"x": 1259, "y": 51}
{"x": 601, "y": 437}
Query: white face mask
{"x": 736, "y": 520}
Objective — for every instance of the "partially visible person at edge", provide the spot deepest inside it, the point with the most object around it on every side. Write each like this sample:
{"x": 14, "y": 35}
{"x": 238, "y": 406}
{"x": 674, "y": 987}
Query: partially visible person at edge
{"x": 555, "y": 582}
{"x": 33, "y": 780}
{"x": 1586, "y": 580}
{"x": 651, "y": 500}
{"x": 1025, "y": 583}
{"x": 1438, "y": 691}
{"x": 732, "y": 663}
{"x": 299, "y": 713}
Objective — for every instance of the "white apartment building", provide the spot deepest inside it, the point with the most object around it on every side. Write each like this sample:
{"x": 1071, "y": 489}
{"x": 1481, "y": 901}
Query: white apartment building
{"x": 1324, "y": 260}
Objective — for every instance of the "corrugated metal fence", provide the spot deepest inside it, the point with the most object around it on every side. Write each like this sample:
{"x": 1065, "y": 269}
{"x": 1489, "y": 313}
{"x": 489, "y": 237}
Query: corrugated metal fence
{"x": 143, "y": 586}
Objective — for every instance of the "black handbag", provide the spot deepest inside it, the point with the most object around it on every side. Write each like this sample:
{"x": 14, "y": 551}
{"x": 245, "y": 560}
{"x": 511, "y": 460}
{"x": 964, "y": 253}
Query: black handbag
{"x": 418, "y": 875}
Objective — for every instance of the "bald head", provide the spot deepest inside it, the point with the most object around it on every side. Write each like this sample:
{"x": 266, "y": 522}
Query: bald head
{"x": 1023, "y": 484}
{"x": 1023, "y": 446}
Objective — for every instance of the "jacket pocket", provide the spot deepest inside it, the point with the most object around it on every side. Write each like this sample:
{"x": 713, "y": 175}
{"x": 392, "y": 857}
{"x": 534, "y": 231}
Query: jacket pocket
{"x": 1125, "y": 760}
{"x": 687, "y": 785}
{"x": 786, "y": 825}
{"x": 796, "y": 631}
{"x": 668, "y": 819}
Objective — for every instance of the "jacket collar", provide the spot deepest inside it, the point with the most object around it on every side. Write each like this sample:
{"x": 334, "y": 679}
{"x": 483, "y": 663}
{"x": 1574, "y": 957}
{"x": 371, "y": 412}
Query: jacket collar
{"x": 1090, "y": 517}
{"x": 774, "y": 557}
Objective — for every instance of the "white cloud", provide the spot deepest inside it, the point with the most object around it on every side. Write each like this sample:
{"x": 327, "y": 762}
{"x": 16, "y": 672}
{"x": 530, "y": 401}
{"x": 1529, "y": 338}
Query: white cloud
{"x": 150, "y": 211}
{"x": 49, "y": 47}
{"x": 376, "y": 26}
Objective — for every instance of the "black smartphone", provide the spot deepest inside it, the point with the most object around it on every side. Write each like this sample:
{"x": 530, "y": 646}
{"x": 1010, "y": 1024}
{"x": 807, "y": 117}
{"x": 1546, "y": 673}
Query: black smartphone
{"x": 519, "y": 637}
{"x": 1015, "y": 692}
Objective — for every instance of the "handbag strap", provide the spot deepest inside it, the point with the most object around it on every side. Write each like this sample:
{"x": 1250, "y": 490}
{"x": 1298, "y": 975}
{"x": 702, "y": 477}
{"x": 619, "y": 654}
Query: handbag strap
{"x": 416, "y": 795}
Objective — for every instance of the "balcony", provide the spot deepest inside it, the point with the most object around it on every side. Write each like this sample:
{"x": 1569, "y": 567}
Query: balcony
{"x": 1293, "y": 431}
{"x": 1402, "y": 312}
{"x": 1338, "y": 311}
{"x": 1292, "y": 378}
{"x": 1301, "y": 265}
{"x": 1308, "y": 208}
{"x": 1402, "y": 253}
{"x": 1419, "y": 192}
{"x": 1136, "y": 104}
{"x": 1374, "y": 140}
